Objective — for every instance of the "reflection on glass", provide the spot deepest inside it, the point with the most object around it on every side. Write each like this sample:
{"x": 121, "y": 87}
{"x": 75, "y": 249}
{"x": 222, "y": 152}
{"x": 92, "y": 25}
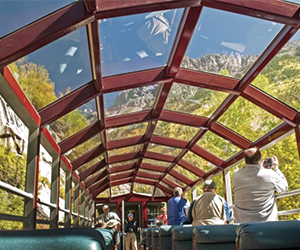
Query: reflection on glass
{"x": 83, "y": 148}
{"x": 89, "y": 164}
{"x": 293, "y": 1}
{"x": 155, "y": 162}
{"x": 73, "y": 122}
{"x": 122, "y": 163}
{"x": 217, "y": 145}
{"x": 126, "y": 131}
{"x": 185, "y": 173}
{"x": 45, "y": 172}
{"x": 158, "y": 192}
{"x": 137, "y": 42}
{"x": 288, "y": 158}
{"x": 29, "y": 10}
{"x": 143, "y": 189}
{"x": 229, "y": 44}
{"x": 248, "y": 120}
{"x": 280, "y": 78}
{"x": 198, "y": 162}
{"x": 124, "y": 150}
{"x": 55, "y": 69}
{"x": 164, "y": 149}
{"x": 120, "y": 189}
{"x": 130, "y": 100}
{"x": 194, "y": 100}
{"x": 104, "y": 194}
{"x": 173, "y": 130}
{"x": 171, "y": 178}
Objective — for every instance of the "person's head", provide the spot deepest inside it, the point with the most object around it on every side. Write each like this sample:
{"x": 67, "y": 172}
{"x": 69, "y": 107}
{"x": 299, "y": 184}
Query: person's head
{"x": 252, "y": 156}
{"x": 112, "y": 224}
{"x": 130, "y": 216}
{"x": 178, "y": 191}
{"x": 105, "y": 209}
{"x": 162, "y": 210}
{"x": 209, "y": 185}
{"x": 100, "y": 224}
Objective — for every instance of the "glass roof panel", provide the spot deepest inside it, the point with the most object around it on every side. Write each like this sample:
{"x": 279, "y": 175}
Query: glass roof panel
{"x": 194, "y": 100}
{"x": 185, "y": 172}
{"x": 122, "y": 163}
{"x": 124, "y": 150}
{"x": 281, "y": 77}
{"x": 122, "y": 172}
{"x": 83, "y": 148}
{"x": 198, "y": 162}
{"x": 217, "y": 145}
{"x": 174, "y": 130}
{"x": 104, "y": 194}
{"x": 29, "y": 10}
{"x": 166, "y": 185}
{"x": 164, "y": 149}
{"x": 158, "y": 192}
{"x": 137, "y": 42}
{"x": 55, "y": 69}
{"x": 120, "y": 189}
{"x": 90, "y": 163}
{"x": 171, "y": 178}
{"x": 130, "y": 100}
{"x": 228, "y": 45}
{"x": 248, "y": 120}
{"x": 126, "y": 131}
{"x": 143, "y": 189}
{"x": 92, "y": 175}
{"x": 149, "y": 171}
{"x": 293, "y": 1}
{"x": 73, "y": 122}
{"x": 155, "y": 162}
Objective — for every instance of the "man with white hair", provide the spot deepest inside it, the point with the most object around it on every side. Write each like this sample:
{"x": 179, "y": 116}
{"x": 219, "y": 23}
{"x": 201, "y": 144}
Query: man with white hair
{"x": 107, "y": 215}
{"x": 177, "y": 206}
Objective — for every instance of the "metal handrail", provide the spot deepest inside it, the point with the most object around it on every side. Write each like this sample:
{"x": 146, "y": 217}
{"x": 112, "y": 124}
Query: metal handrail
{"x": 47, "y": 203}
{"x": 15, "y": 190}
{"x": 286, "y": 194}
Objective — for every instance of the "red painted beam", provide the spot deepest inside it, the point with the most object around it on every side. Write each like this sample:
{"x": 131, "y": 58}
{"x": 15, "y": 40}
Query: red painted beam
{"x": 50, "y": 139}
{"x": 274, "y": 11}
{"x": 97, "y": 192}
{"x": 161, "y": 99}
{"x": 133, "y": 198}
{"x": 80, "y": 137}
{"x": 128, "y": 119}
{"x": 184, "y": 119}
{"x": 99, "y": 184}
{"x": 67, "y": 163}
{"x": 180, "y": 177}
{"x": 159, "y": 157}
{"x": 205, "y": 80}
{"x": 166, "y": 141}
{"x": 270, "y": 104}
{"x": 152, "y": 167}
{"x": 92, "y": 170}
{"x": 170, "y": 183}
{"x": 43, "y": 31}
{"x": 119, "y": 182}
{"x": 184, "y": 39}
{"x": 123, "y": 157}
{"x": 207, "y": 155}
{"x": 89, "y": 182}
{"x": 134, "y": 80}
{"x": 20, "y": 94}
{"x": 68, "y": 103}
{"x": 191, "y": 168}
{"x": 230, "y": 136}
{"x": 120, "y": 176}
{"x": 163, "y": 188}
{"x": 143, "y": 181}
{"x": 91, "y": 5}
{"x": 88, "y": 156}
{"x": 125, "y": 142}
{"x": 126, "y": 167}
{"x": 148, "y": 175}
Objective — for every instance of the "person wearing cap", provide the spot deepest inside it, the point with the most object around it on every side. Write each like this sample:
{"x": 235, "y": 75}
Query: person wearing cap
{"x": 176, "y": 208}
{"x": 210, "y": 208}
{"x": 107, "y": 215}
{"x": 113, "y": 225}
{"x": 254, "y": 187}
{"x": 131, "y": 230}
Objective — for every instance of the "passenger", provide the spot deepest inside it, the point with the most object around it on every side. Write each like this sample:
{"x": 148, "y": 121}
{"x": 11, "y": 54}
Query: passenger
{"x": 210, "y": 208}
{"x": 131, "y": 230}
{"x": 106, "y": 216}
{"x": 254, "y": 188}
{"x": 176, "y": 208}
{"x": 100, "y": 224}
{"x": 113, "y": 225}
{"x": 161, "y": 219}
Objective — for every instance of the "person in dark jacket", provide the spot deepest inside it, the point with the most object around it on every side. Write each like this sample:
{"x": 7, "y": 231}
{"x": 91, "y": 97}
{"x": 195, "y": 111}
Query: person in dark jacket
{"x": 130, "y": 230}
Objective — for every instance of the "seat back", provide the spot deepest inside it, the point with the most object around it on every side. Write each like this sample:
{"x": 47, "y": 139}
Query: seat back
{"x": 182, "y": 238}
{"x": 149, "y": 238}
{"x": 214, "y": 237}
{"x": 53, "y": 239}
{"x": 143, "y": 237}
{"x": 165, "y": 240}
{"x": 269, "y": 235}
{"x": 155, "y": 234}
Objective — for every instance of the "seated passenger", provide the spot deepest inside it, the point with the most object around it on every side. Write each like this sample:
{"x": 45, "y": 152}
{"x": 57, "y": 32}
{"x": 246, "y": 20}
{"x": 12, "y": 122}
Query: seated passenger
{"x": 107, "y": 215}
{"x": 161, "y": 219}
{"x": 113, "y": 225}
{"x": 210, "y": 208}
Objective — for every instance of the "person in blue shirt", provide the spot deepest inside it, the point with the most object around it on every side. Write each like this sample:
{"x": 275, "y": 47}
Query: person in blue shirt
{"x": 177, "y": 206}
